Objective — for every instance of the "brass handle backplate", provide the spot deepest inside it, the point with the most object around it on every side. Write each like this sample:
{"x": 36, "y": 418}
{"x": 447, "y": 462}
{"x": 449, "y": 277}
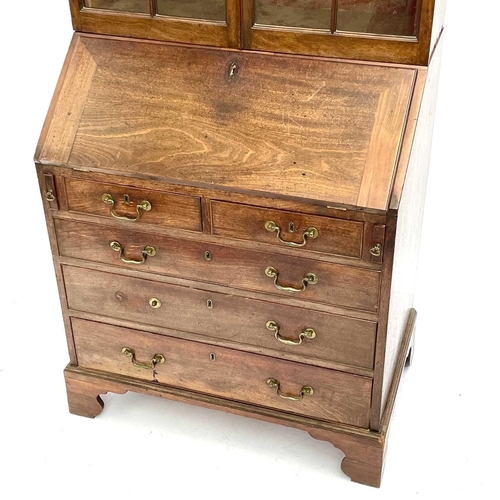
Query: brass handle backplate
{"x": 310, "y": 232}
{"x": 143, "y": 205}
{"x": 305, "y": 333}
{"x": 147, "y": 251}
{"x": 156, "y": 359}
{"x": 308, "y": 279}
{"x": 274, "y": 384}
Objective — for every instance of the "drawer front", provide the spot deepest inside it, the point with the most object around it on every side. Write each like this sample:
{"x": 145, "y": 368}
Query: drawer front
{"x": 134, "y": 205}
{"x": 288, "y": 229}
{"x": 232, "y": 374}
{"x": 234, "y": 267}
{"x": 254, "y": 322}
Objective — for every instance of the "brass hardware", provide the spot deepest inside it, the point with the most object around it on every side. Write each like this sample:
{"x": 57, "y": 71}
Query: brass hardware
{"x": 376, "y": 250}
{"x": 156, "y": 359}
{"x": 336, "y": 208}
{"x": 49, "y": 195}
{"x": 208, "y": 255}
{"x": 147, "y": 251}
{"x": 305, "y": 333}
{"x": 126, "y": 199}
{"x": 233, "y": 69}
{"x": 291, "y": 227}
{"x": 274, "y": 384}
{"x": 308, "y": 279}
{"x": 143, "y": 205}
{"x": 212, "y": 356}
{"x": 155, "y": 303}
{"x": 310, "y": 232}
{"x": 210, "y": 304}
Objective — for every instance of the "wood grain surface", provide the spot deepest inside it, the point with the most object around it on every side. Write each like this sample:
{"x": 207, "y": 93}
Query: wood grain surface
{"x": 338, "y": 397}
{"x": 290, "y": 127}
{"x": 237, "y": 268}
{"x": 243, "y": 321}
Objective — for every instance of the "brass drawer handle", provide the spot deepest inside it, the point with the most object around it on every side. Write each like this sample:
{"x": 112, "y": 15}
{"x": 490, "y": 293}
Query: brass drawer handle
{"x": 157, "y": 358}
{"x": 310, "y": 232}
{"x": 147, "y": 251}
{"x": 274, "y": 384}
{"x": 376, "y": 250}
{"x": 143, "y": 205}
{"x": 305, "y": 333}
{"x": 308, "y": 279}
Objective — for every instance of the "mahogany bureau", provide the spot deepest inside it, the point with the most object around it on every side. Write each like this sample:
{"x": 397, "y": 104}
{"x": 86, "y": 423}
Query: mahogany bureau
{"x": 234, "y": 194}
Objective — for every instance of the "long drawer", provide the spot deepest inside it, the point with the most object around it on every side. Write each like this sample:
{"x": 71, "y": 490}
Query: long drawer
{"x": 292, "y": 387}
{"x": 288, "y": 330}
{"x": 234, "y": 267}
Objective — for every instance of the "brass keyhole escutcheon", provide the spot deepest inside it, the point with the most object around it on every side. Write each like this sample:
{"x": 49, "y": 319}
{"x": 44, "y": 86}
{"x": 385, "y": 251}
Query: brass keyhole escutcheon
{"x": 208, "y": 255}
{"x": 233, "y": 69}
{"x": 212, "y": 356}
{"x": 126, "y": 199}
{"x": 210, "y": 304}
{"x": 291, "y": 227}
{"x": 155, "y": 303}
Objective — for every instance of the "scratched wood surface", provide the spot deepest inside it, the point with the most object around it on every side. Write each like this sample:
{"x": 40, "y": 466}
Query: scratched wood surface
{"x": 288, "y": 127}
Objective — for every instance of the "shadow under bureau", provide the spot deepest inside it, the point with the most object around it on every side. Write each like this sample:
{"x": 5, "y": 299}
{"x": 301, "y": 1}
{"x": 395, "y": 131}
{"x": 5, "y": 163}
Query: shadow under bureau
{"x": 239, "y": 230}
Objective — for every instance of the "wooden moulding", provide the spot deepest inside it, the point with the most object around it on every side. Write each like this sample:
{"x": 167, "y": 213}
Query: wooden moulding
{"x": 364, "y": 450}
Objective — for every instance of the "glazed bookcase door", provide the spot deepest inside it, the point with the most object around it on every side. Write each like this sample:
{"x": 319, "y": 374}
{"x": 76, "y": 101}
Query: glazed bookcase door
{"x": 205, "y": 22}
{"x": 382, "y": 30}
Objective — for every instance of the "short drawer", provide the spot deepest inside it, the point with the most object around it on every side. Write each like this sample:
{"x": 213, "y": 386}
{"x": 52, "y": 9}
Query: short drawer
{"x": 288, "y": 229}
{"x": 134, "y": 205}
{"x": 287, "y": 330}
{"x": 288, "y": 276}
{"x": 252, "y": 378}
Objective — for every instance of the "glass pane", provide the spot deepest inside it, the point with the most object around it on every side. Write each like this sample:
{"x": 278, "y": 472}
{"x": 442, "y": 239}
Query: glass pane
{"x": 294, "y": 13}
{"x": 382, "y": 17}
{"x": 211, "y": 10}
{"x": 122, "y": 5}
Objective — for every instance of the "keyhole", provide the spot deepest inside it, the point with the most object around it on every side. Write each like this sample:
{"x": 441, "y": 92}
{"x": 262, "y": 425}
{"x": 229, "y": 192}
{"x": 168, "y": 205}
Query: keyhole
{"x": 155, "y": 303}
{"x": 291, "y": 227}
{"x": 233, "y": 69}
{"x": 126, "y": 199}
{"x": 212, "y": 356}
{"x": 210, "y": 304}
{"x": 208, "y": 256}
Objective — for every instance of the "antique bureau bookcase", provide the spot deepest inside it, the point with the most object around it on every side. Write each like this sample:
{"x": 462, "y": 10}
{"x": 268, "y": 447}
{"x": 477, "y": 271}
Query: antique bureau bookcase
{"x": 234, "y": 191}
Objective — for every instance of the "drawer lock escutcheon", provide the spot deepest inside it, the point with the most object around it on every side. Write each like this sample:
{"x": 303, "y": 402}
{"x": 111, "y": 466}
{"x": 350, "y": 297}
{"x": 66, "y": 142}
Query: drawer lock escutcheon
{"x": 305, "y": 333}
{"x": 155, "y": 303}
{"x": 308, "y": 279}
{"x": 310, "y": 232}
{"x": 274, "y": 384}
{"x": 156, "y": 359}
{"x": 147, "y": 251}
{"x": 143, "y": 205}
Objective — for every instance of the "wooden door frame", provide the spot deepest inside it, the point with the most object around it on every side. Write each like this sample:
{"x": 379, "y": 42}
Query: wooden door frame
{"x": 402, "y": 50}
{"x": 219, "y": 34}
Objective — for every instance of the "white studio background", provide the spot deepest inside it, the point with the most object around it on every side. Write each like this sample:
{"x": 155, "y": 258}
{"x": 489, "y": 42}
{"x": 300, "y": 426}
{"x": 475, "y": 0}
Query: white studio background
{"x": 443, "y": 442}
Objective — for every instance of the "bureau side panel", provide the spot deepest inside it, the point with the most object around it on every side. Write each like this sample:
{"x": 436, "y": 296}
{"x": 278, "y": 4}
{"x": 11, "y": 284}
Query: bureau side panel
{"x": 409, "y": 226}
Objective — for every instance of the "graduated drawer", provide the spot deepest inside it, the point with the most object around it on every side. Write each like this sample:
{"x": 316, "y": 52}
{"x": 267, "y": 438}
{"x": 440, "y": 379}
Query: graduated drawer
{"x": 288, "y": 229}
{"x": 235, "y": 267}
{"x": 335, "y": 338}
{"x": 228, "y": 373}
{"x": 133, "y": 204}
